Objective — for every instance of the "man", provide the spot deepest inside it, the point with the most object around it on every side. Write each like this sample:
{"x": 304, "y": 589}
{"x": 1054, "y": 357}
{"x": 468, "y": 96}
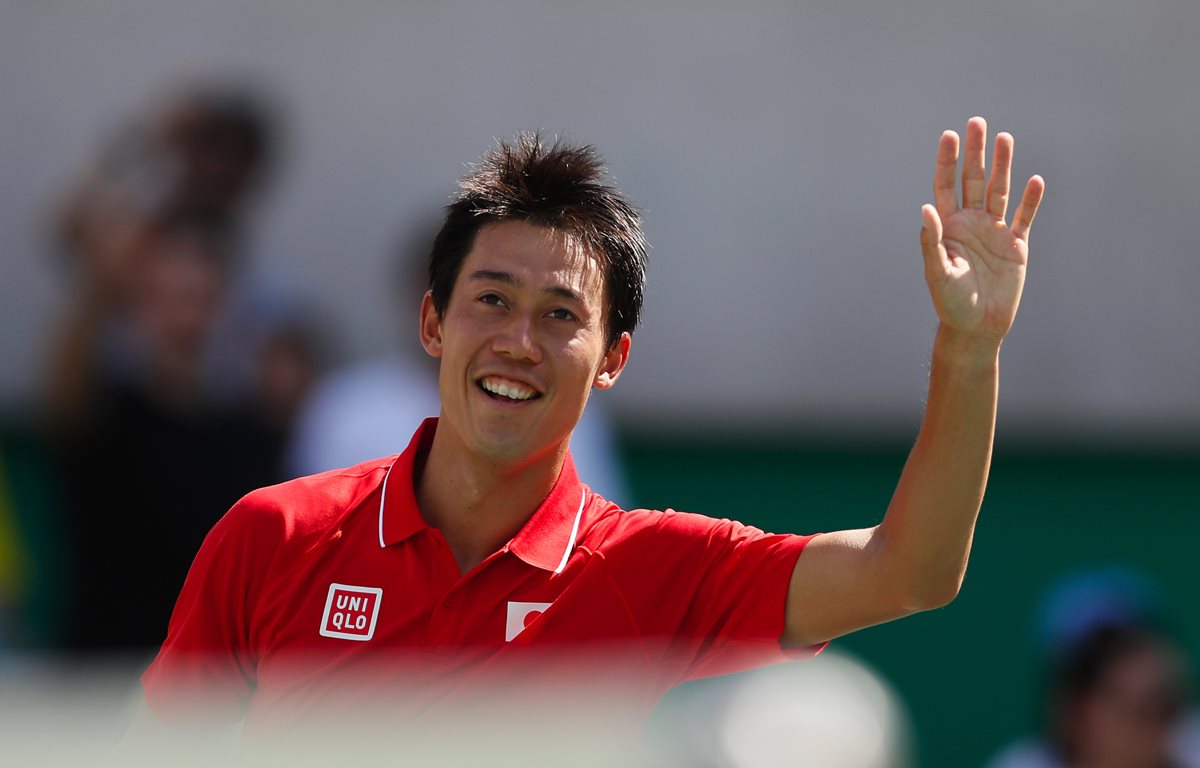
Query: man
{"x": 479, "y": 558}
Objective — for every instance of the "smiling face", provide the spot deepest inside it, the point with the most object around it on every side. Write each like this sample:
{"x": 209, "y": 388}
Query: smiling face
{"x": 521, "y": 343}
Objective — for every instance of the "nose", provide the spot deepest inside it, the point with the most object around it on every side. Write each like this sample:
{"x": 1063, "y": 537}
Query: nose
{"x": 516, "y": 339}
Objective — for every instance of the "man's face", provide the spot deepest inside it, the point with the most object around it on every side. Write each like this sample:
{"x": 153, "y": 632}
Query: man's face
{"x": 522, "y": 343}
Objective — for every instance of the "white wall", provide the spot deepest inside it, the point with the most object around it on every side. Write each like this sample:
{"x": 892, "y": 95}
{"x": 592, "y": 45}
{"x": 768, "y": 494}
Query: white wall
{"x": 781, "y": 154}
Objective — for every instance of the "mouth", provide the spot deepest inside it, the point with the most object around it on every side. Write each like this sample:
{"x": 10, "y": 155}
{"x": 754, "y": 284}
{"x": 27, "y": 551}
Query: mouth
{"x": 507, "y": 390}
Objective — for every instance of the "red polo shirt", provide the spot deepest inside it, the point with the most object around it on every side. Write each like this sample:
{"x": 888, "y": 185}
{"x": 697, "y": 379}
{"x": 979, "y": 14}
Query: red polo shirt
{"x": 333, "y": 588}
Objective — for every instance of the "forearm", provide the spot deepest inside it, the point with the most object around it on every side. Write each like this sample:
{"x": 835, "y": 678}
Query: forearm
{"x": 925, "y": 538}
{"x": 975, "y": 269}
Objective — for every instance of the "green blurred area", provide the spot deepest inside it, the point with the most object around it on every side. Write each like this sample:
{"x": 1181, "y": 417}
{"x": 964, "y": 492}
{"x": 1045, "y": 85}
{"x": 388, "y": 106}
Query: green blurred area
{"x": 969, "y": 673}
{"x": 32, "y": 573}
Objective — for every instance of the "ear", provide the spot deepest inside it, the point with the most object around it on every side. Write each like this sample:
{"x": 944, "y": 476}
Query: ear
{"x": 431, "y": 326}
{"x": 613, "y": 363}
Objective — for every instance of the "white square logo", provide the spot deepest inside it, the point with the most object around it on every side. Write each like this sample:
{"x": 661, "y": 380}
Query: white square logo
{"x": 521, "y": 615}
{"x": 351, "y": 612}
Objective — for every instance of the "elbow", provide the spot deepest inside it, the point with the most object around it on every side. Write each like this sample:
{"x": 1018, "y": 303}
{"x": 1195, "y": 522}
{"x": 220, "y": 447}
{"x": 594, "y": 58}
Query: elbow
{"x": 932, "y": 594}
{"x": 917, "y": 584}
{"x": 944, "y": 595}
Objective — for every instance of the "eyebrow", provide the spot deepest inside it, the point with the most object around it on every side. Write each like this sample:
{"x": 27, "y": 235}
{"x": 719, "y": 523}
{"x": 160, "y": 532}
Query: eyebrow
{"x": 510, "y": 279}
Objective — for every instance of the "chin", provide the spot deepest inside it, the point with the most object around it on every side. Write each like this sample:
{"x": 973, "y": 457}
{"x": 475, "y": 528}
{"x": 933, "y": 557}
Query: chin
{"x": 512, "y": 449}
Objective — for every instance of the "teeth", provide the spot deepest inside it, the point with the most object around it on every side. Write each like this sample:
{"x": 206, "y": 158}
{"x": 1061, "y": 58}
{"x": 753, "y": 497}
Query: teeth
{"x": 506, "y": 388}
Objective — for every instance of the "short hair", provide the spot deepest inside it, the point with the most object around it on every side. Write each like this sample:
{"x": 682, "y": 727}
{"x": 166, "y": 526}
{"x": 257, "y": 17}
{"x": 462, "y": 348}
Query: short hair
{"x": 563, "y": 188}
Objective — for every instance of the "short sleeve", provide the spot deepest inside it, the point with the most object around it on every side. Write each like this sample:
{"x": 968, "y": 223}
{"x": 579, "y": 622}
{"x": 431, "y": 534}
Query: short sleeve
{"x": 716, "y": 590}
{"x": 204, "y": 674}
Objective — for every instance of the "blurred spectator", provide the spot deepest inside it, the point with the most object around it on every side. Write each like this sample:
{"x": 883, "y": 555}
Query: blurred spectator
{"x": 176, "y": 376}
{"x": 372, "y": 408}
{"x": 195, "y": 160}
{"x": 1117, "y": 682}
{"x": 153, "y": 461}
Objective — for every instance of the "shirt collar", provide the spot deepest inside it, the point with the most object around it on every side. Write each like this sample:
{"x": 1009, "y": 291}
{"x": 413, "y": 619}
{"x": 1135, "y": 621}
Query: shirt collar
{"x": 545, "y": 541}
{"x": 399, "y": 517}
{"x": 548, "y": 537}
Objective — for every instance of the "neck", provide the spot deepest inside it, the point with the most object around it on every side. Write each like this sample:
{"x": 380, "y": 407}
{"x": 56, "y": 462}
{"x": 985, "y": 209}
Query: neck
{"x": 476, "y": 503}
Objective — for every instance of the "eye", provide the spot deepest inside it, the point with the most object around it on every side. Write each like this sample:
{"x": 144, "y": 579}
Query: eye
{"x": 561, "y": 314}
{"x": 492, "y": 298}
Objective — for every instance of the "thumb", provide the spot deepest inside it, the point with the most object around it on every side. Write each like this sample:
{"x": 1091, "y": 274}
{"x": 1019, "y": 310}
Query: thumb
{"x": 936, "y": 259}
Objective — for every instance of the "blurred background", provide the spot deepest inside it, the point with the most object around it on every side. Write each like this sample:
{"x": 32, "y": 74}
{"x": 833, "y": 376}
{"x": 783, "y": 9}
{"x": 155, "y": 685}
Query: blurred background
{"x": 213, "y": 216}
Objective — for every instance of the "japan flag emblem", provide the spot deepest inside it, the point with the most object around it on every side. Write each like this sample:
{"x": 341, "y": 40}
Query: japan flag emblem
{"x": 521, "y": 615}
{"x": 351, "y": 612}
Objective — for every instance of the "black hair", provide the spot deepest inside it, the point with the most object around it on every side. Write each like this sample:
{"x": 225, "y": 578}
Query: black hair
{"x": 1083, "y": 670}
{"x": 563, "y": 188}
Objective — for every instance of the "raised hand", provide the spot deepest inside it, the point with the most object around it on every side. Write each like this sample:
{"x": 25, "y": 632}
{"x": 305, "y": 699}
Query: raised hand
{"x": 974, "y": 261}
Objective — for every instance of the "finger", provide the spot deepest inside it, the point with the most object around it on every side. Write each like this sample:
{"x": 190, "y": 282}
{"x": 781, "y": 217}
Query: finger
{"x": 944, "y": 180}
{"x": 1030, "y": 201}
{"x": 997, "y": 189}
{"x": 936, "y": 260}
{"x": 972, "y": 172}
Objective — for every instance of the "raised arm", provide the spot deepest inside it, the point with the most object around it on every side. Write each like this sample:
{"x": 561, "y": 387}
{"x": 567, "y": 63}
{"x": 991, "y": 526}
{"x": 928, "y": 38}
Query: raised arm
{"x": 916, "y": 558}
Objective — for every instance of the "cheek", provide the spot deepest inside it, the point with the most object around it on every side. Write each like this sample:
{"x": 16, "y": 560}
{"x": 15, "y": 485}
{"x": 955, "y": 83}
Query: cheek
{"x": 584, "y": 356}
{"x": 461, "y": 335}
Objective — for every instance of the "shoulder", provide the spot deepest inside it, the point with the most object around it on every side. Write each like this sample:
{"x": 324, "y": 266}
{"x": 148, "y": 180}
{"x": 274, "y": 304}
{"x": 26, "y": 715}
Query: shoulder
{"x": 614, "y": 529}
{"x": 306, "y": 506}
{"x": 612, "y": 522}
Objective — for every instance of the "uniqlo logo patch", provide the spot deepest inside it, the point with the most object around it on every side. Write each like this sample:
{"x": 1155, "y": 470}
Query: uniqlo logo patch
{"x": 351, "y": 612}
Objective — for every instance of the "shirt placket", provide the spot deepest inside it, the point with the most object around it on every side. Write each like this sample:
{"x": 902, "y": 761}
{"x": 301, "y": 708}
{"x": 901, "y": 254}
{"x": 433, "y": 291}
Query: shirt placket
{"x": 448, "y": 638}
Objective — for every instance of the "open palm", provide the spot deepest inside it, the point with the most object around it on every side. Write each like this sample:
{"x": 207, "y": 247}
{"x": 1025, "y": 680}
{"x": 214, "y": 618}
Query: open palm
{"x": 974, "y": 261}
